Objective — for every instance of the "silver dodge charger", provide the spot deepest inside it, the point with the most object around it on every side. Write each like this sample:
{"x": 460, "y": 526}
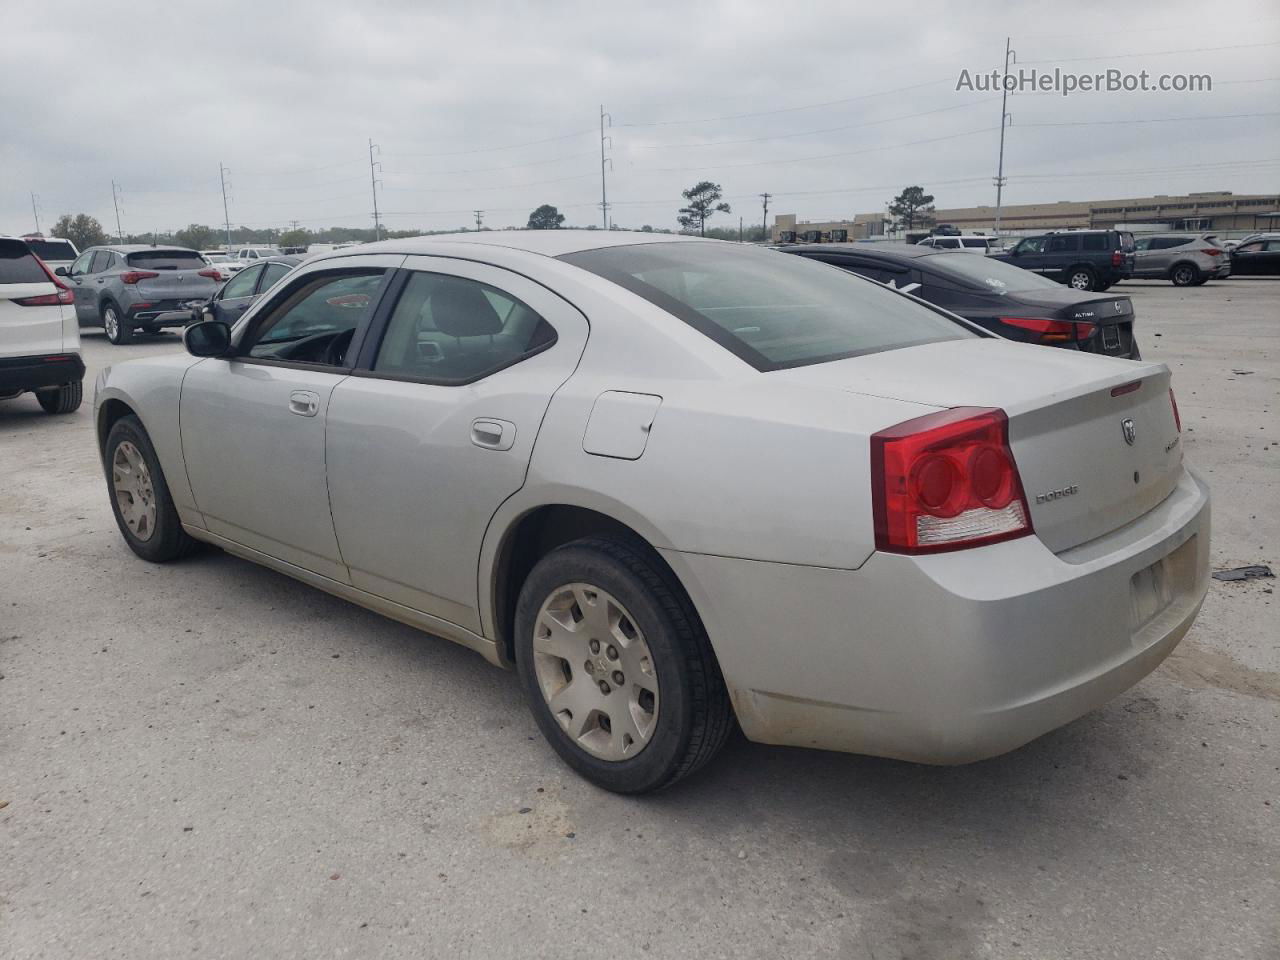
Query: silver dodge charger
{"x": 679, "y": 484}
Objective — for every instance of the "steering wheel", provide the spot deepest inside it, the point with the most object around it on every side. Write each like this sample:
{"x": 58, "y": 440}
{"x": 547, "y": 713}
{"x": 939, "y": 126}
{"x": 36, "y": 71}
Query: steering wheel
{"x": 336, "y": 352}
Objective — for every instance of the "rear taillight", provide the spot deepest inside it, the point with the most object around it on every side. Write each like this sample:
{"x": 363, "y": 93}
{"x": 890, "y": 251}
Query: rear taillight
{"x": 1213, "y": 252}
{"x": 1052, "y": 331}
{"x": 1177, "y": 417}
{"x": 212, "y": 274}
{"x": 133, "y": 276}
{"x": 63, "y": 295}
{"x": 1117, "y": 258}
{"x": 946, "y": 481}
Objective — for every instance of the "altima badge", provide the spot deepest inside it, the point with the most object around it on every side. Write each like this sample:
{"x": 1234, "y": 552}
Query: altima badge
{"x": 1130, "y": 431}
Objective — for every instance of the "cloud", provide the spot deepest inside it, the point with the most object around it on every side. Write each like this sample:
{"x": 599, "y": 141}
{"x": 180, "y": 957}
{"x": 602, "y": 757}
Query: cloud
{"x": 156, "y": 95}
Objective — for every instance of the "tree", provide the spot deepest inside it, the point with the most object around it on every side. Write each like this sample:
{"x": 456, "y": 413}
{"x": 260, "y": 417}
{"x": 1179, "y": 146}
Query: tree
{"x": 912, "y": 206}
{"x": 546, "y": 217}
{"x": 295, "y": 238}
{"x": 702, "y": 199}
{"x": 196, "y": 236}
{"x": 82, "y": 230}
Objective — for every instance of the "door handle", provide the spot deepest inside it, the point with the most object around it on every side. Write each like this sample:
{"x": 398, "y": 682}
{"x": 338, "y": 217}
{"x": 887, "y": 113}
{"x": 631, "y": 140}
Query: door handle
{"x": 493, "y": 434}
{"x": 102, "y": 279}
{"x": 304, "y": 403}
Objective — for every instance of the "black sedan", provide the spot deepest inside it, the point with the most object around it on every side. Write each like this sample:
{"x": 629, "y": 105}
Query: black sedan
{"x": 1007, "y": 300}
{"x": 240, "y": 292}
{"x": 1257, "y": 257}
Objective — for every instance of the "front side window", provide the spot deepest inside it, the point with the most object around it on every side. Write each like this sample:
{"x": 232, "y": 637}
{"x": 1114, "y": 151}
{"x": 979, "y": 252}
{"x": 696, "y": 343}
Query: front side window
{"x": 81, "y": 266}
{"x": 454, "y": 330}
{"x": 1142, "y": 244}
{"x": 770, "y": 309}
{"x": 316, "y": 321}
{"x": 241, "y": 285}
{"x": 1031, "y": 245}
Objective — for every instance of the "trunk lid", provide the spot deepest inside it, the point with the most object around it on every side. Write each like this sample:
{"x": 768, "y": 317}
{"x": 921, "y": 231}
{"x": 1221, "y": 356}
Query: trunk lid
{"x": 178, "y": 275}
{"x": 1082, "y": 474}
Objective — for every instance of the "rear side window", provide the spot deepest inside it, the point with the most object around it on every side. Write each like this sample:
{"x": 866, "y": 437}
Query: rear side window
{"x": 272, "y": 273}
{"x": 1062, "y": 244}
{"x": 974, "y": 242}
{"x": 19, "y": 265}
{"x": 52, "y": 249}
{"x": 1096, "y": 242}
{"x": 454, "y": 330}
{"x": 1126, "y": 240}
{"x": 167, "y": 260}
{"x": 770, "y": 309}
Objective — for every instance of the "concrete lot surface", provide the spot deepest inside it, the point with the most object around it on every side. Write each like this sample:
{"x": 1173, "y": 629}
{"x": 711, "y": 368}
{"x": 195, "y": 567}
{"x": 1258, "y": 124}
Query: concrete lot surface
{"x": 209, "y": 759}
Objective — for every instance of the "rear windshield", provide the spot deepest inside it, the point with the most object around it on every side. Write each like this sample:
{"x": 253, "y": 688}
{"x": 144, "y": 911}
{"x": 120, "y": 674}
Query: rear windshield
{"x": 994, "y": 276}
{"x": 1126, "y": 240}
{"x": 772, "y": 310}
{"x": 52, "y": 249}
{"x": 17, "y": 265}
{"x": 167, "y": 260}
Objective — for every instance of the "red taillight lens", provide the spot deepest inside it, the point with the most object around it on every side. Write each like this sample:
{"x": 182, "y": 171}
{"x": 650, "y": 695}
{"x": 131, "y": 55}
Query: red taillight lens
{"x": 133, "y": 276}
{"x": 212, "y": 274}
{"x": 1213, "y": 252}
{"x": 63, "y": 296}
{"x": 1052, "y": 331}
{"x": 1117, "y": 258}
{"x": 946, "y": 481}
{"x": 1177, "y": 417}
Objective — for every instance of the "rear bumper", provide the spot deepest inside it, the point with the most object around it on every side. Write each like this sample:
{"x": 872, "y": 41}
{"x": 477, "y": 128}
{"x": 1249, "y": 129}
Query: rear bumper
{"x": 952, "y": 658}
{"x": 33, "y": 373}
{"x": 163, "y": 314}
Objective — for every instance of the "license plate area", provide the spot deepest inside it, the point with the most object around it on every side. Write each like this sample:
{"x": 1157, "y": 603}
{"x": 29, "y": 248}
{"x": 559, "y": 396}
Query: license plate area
{"x": 1111, "y": 337}
{"x": 1153, "y": 589}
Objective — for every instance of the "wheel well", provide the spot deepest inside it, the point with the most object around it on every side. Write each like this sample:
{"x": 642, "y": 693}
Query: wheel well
{"x": 535, "y": 535}
{"x": 102, "y": 305}
{"x": 1184, "y": 263}
{"x": 1088, "y": 267}
{"x": 112, "y": 410}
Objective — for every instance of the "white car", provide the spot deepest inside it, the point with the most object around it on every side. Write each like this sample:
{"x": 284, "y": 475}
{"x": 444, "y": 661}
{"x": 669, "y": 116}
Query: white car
{"x": 224, "y": 263}
{"x": 54, "y": 251}
{"x": 678, "y": 483}
{"x": 39, "y": 335}
{"x": 248, "y": 255}
{"x": 975, "y": 243}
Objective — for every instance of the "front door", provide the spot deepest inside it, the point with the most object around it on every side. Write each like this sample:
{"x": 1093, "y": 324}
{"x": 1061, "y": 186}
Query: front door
{"x": 253, "y": 425}
{"x": 235, "y": 297}
{"x": 435, "y": 430}
{"x": 80, "y": 280}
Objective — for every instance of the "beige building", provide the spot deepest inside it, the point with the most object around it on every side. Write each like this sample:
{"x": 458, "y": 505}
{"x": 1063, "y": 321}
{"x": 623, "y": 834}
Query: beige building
{"x": 1219, "y": 210}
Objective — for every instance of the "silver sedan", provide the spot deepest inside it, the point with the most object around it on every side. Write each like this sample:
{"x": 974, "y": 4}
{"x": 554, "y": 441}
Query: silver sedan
{"x": 682, "y": 484}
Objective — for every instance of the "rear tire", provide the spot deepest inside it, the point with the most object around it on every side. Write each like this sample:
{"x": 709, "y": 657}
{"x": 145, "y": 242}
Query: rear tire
{"x": 140, "y": 499}
{"x": 687, "y": 716}
{"x": 1082, "y": 278}
{"x": 1185, "y": 275}
{"x": 119, "y": 331}
{"x": 63, "y": 399}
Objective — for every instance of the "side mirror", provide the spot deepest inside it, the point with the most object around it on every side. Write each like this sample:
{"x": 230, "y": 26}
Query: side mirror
{"x": 208, "y": 338}
{"x": 1015, "y": 252}
{"x": 61, "y": 272}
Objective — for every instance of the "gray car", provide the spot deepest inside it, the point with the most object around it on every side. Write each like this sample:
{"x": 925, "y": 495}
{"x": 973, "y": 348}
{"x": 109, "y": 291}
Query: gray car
{"x": 1186, "y": 259}
{"x": 127, "y": 288}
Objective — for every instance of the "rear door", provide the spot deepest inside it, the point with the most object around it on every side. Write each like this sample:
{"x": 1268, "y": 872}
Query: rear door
{"x": 29, "y": 326}
{"x": 435, "y": 428}
{"x": 1059, "y": 252}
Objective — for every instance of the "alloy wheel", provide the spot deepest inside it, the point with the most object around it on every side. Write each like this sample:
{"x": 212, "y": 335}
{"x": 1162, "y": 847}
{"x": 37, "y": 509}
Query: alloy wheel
{"x": 1080, "y": 281}
{"x": 135, "y": 493}
{"x": 595, "y": 671}
{"x": 111, "y": 324}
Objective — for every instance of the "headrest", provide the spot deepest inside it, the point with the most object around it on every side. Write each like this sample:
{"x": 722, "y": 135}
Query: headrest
{"x": 459, "y": 308}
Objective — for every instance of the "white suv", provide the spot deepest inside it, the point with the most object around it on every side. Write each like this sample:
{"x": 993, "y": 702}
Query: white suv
{"x": 969, "y": 243}
{"x": 39, "y": 334}
{"x": 248, "y": 255}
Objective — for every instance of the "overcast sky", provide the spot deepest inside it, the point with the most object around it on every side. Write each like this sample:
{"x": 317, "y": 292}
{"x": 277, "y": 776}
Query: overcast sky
{"x": 830, "y": 106}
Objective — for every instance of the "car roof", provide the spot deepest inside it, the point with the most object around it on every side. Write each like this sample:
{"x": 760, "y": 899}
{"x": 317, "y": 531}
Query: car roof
{"x": 905, "y": 251}
{"x": 139, "y": 247}
{"x": 548, "y": 243}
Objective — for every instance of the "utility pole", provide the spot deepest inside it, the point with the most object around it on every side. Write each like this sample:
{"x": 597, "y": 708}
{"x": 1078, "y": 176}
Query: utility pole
{"x": 35, "y": 212}
{"x": 604, "y": 195}
{"x": 226, "y": 216}
{"x": 373, "y": 183}
{"x": 115, "y": 202}
{"x": 765, "y": 198}
{"x": 1004, "y": 119}
{"x": 739, "y": 229}
{"x": 479, "y": 218}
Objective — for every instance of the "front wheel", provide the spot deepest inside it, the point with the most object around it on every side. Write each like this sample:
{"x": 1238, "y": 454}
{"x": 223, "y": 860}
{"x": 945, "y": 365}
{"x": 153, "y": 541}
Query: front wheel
{"x": 119, "y": 331}
{"x": 140, "y": 498}
{"x": 617, "y": 669}
{"x": 63, "y": 399}
{"x": 1081, "y": 278}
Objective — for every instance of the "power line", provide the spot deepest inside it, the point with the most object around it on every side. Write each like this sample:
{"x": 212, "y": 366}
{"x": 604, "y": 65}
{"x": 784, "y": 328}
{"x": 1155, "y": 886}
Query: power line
{"x": 509, "y": 146}
{"x": 1094, "y": 123}
{"x": 1155, "y": 53}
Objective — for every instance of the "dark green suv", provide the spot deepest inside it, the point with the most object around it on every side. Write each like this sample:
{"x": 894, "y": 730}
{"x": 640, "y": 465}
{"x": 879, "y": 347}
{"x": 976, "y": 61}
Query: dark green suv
{"x": 1082, "y": 259}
